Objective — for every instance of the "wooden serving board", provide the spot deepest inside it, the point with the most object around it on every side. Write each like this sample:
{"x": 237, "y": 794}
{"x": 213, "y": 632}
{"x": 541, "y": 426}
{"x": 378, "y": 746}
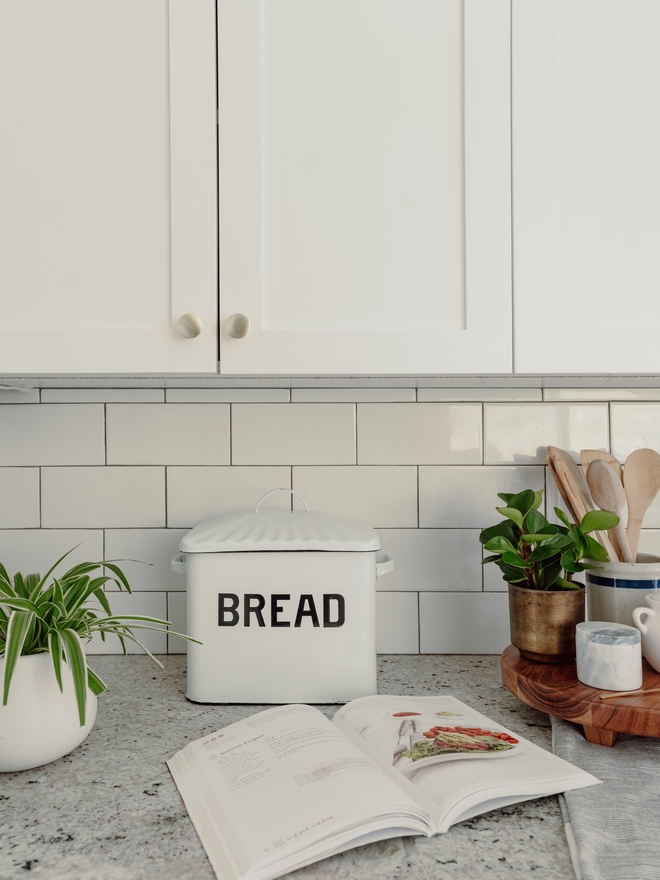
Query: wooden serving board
{"x": 555, "y": 689}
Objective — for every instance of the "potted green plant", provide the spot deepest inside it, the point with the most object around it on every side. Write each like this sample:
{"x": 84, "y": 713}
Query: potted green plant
{"x": 48, "y": 690}
{"x": 538, "y": 560}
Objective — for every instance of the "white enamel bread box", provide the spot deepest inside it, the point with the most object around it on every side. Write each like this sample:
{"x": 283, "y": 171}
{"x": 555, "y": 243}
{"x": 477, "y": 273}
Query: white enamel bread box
{"x": 284, "y": 605}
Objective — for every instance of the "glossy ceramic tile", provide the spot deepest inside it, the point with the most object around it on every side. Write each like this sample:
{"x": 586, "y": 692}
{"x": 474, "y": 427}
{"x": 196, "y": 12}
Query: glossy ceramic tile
{"x": 147, "y": 604}
{"x": 634, "y": 426}
{"x": 19, "y": 491}
{"x": 192, "y": 434}
{"x": 493, "y": 580}
{"x": 102, "y": 395}
{"x": 103, "y": 497}
{"x": 485, "y": 394}
{"x": 176, "y": 614}
{"x": 420, "y": 433}
{"x": 353, "y": 395}
{"x": 431, "y": 559}
{"x": 463, "y": 623}
{"x": 154, "y": 547}
{"x": 8, "y": 395}
{"x": 519, "y": 433}
{"x": 195, "y": 494}
{"x": 649, "y": 542}
{"x": 601, "y": 394}
{"x": 298, "y": 433}
{"x": 397, "y": 623}
{"x": 51, "y": 434}
{"x": 227, "y": 395}
{"x": 38, "y": 549}
{"x": 466, "y": 497}
{"x": 386, "y": 497}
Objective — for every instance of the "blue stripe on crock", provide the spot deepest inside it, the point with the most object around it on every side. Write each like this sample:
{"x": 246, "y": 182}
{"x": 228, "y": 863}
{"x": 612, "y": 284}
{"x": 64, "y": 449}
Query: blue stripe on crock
{"x": 648, "y": 585}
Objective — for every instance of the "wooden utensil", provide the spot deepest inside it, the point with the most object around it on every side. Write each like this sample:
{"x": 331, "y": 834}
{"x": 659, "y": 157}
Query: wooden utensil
{"x": 587, "y": 456}
{"x": 609, "y": 495}
{"x": 641, "y": 480}
{"x": 576, "y": 493}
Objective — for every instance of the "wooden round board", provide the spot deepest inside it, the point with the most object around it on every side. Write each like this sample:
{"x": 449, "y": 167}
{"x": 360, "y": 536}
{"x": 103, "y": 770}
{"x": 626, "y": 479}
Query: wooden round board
{"x": 555, "y": 689}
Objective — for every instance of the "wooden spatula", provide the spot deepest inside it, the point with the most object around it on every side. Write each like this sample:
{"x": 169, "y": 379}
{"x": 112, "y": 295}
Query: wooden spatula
{"x": 589, "y": 455}
{"x": 575, "y": 492}
{"x": 608, "y": 493}
{"x": 641, "y": 479}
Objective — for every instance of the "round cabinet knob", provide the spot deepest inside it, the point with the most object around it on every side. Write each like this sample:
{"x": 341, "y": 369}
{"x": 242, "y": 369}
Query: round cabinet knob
{"x": 189, "y": 325}
{"x": 237, "y": 326}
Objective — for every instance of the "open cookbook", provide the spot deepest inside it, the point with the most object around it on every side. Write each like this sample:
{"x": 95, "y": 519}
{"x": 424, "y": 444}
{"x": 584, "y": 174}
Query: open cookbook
{"x": 288, "y": 787}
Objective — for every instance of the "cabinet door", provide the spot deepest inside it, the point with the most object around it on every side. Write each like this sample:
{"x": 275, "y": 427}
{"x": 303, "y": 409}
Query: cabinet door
{"x": 364, "y": 179}
{"x": 107, "y": 182}
{"x": 586, "y": 185}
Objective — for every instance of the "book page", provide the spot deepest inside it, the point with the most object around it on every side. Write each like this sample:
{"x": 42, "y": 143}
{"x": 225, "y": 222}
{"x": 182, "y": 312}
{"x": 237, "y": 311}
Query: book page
{"x": 284, "y": 778}
{"x": 455, "y": 755}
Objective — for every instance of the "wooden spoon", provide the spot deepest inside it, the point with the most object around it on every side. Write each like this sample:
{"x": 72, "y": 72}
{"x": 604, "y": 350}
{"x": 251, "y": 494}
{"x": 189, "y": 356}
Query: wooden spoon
{"x": 609, "y": 495}
{"x": 566, "y": 472}
{"x": 587, "y": 456}
{"x": 642, "y": 482}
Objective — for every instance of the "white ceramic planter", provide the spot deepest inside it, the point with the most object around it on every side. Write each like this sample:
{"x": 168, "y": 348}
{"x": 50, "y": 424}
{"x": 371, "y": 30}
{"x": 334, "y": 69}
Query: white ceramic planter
{"x": 39, "y": 724}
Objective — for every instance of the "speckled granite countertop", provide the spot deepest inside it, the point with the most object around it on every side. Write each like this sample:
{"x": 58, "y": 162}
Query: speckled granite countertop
{"x": 110, "y": 810}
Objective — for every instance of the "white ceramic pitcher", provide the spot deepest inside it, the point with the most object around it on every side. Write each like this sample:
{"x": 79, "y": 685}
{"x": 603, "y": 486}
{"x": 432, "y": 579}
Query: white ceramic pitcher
{"x": 647, "y": 621}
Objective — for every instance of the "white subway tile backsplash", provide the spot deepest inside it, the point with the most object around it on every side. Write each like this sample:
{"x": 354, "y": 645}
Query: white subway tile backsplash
{"x": 177, "y": 616}
{"x": 407, "y": 461}
{"x": 103, "y": 497}
{"x": 168, "y": 434}
{"x": 634, "y": 426}
{"x": 19, "y": 498}
{"x": 296, "y": 433}
{"x": 195, "y": 494}
{"x": 397, "y": 623}
{"x": 420, "y": 433}
{"x": 102, "y": 395}
{"x": 485, "y": 394}
{"x": 466, "y": 497}
{"x": 353, "y": 395}
{"x": 463, "y": 623}
{"x": 227, "y": 395}
{"x": 147, "y": 604}
{"x": 51, "y": 434}
{"x": 519, "y": 433}
{"x": 37, "y": 550}
{"x": 155, "y": 547}
{"x": 386, "y": 497}
{"x": 431, "y": 559}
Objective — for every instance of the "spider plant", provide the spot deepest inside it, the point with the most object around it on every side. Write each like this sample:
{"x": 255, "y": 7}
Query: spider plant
{"x": 38, "y": 617}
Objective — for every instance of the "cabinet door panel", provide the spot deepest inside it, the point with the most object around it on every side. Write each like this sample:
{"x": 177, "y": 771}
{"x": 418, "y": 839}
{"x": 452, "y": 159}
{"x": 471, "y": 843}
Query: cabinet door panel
{"x": 364, "y": 185}
{"x": 586, "y": 184}
{"x": 107, "y": 234}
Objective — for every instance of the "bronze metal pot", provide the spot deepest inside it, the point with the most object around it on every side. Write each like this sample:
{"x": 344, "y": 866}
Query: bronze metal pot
{"x": 543, "y": 622}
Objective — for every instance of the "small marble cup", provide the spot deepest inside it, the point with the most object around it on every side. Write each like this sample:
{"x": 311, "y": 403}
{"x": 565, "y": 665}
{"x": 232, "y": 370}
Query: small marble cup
{"x": 608, "y": 655}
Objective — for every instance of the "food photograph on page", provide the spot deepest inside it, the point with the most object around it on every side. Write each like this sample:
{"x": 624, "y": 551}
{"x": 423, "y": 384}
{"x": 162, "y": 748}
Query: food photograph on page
{"x": 415, "y": 735}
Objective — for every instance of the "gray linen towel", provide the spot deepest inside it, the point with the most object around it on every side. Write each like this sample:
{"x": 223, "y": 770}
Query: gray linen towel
{"x": 615, "y": 826}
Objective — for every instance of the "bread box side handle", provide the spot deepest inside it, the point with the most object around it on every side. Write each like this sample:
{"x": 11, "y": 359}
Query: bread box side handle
{"x": 384, "y": 565}
{"x": 178, "y": 564}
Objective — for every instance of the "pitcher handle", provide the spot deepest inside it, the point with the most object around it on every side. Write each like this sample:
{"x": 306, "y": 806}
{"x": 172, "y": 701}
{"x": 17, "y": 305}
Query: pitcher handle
{"x": 637, "y": 618}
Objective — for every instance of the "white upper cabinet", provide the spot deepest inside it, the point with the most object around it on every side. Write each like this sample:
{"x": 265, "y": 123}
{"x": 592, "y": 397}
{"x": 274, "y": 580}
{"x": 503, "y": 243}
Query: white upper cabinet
{"x": 107, "y": 183}
{"x": 586, "y": 185}
{"x": 364, "y": 182}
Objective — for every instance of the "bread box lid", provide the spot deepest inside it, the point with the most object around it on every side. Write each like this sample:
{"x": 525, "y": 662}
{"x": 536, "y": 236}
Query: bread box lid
{"x": 275, "y": 530}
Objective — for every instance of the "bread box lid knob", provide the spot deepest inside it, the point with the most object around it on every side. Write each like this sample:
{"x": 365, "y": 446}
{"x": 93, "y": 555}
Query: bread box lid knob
{"x": 270, "y": 530}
